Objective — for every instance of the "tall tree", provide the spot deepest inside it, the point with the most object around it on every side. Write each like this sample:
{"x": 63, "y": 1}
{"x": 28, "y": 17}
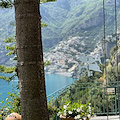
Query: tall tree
{"x": 12, "y": 50}
{"x": 30, "y": 60}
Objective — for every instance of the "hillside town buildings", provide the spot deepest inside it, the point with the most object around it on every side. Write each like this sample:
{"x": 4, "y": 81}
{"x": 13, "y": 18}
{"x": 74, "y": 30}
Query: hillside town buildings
{"x": 66, "y": 56}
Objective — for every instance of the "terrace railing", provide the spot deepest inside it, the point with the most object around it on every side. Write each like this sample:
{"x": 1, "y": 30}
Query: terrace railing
{"x": 103, "y": 99}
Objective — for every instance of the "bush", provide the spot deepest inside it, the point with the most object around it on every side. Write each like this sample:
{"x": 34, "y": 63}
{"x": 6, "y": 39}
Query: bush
{"x": 12, "y": 104}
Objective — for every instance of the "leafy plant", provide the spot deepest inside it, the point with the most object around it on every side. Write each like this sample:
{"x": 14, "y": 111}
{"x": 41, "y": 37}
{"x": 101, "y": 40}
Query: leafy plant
{"x": 12, "y": 104}
{"x": 46, "y": 63}
{"x": 76, "y": 110}
{"x": 52, "y": 109}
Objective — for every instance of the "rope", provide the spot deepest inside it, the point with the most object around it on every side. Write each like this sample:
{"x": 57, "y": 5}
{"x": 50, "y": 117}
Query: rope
{"x": 104, "y": 38}
{"x": 117, "y": 53}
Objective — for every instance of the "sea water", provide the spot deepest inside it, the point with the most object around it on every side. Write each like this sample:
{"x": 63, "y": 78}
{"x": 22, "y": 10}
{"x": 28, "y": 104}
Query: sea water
{"x": 53, "y": 82}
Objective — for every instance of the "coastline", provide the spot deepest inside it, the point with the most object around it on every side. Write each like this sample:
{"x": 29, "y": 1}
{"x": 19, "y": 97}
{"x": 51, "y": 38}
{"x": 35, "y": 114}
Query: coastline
{"x": 64, "y": 74}
{"x": 67, "y": 74}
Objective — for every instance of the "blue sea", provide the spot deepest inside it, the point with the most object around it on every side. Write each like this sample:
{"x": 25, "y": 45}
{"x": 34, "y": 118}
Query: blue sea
{"x": 53, "y": 83}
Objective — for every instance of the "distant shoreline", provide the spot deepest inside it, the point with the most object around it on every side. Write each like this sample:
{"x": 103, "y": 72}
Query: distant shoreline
{"x": 67, "y": 74}
{"x": 64, "y": 74}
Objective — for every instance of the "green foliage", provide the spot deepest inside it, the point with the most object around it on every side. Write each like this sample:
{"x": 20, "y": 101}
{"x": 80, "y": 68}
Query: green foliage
{"x": 75, "y": 110}
{"x": 10, "y": 40}
{"x": 7, "y": 69}
{"x": 7, "y": 47}
{"x": 44, "y": 25}
{"x": 6, "y": 3}
{"x": 15, "y": 58}
{"x": 9, "y": 53}
{"x": 12, "y": 104}
{"x": 52, "y": 109}
{"x": 74, "y": 19}
{"x": 44, "y": 1}
{"x": 113, "y": 51}
{"x": 12, "y": 23}
{"x": 9, "y": 3}
{"x": 88, "y": 90}
{"x": 93, "y": 93}
{"x": 13, "y": 100}
{"x": 12, "y": 50}
{"x": 46, "y": 63}
{"x": 66, "y": 19}
{"x": 94, "y": 78}
{"x": 4, "y": 78}
{"x": 112, "y": 73}
{"x": 8, "y": 79}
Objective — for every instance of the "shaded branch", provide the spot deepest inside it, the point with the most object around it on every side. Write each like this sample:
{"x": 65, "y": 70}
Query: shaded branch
{"x": 6, "y": 3}
{"x": 44, "y": 1}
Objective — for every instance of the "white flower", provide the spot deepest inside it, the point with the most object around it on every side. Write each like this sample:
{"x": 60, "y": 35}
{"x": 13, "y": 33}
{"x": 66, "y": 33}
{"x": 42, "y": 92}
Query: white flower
{"x": 58, "y": 114}
{"x": 64, "y": 111}
{"x": 89, "y": 115}
{"x": 64, "y": 114}
{"x": 89, "y": 109}
{"x": 81, "y": 107}
{"x": 78, "y": 110}
{"x": 65, "y": 106}
{"x": 70, "y": 112}
{"x": 77, "y": 117}
{"x": 6, "y": 109}
{"x": 84, "y": 118}
{"x": 6, "y": 99}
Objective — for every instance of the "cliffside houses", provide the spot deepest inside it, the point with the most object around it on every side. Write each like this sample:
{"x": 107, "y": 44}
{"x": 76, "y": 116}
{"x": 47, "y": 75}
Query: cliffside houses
{"x": 66, "y": 56}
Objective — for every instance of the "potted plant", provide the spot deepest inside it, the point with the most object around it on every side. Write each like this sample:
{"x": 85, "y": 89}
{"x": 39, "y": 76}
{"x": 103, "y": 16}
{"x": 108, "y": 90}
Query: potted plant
{"x": 75, "y": 111}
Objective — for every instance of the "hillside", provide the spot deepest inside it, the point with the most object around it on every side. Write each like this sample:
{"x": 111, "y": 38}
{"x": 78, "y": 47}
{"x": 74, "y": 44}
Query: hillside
{"x": 66, "y": 57}
{"x": 77, "y": 18}
{"x": 68, "y": 18}
{"x": 65, "y": 18}
{"x": 7, "y": 17}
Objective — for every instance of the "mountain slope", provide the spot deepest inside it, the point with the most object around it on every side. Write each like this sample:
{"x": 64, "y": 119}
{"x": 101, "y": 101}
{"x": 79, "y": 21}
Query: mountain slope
{"x": 7, "y": 16}
{"x": 73, "y": 18}
{"x": 68, "y": 18}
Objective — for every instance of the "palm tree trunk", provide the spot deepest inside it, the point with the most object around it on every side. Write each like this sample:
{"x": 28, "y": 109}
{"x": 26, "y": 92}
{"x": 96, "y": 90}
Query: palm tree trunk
{"x": 30, "y": 60}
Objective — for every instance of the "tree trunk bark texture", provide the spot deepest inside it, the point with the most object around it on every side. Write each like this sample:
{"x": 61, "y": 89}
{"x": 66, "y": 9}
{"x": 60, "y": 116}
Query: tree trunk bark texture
{"x": 30, "y": 60}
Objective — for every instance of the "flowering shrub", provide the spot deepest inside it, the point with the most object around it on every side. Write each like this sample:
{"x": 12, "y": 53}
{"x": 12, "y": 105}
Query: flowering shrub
{"x": 76, "y": 111}
{"x": 12, "y": 104}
